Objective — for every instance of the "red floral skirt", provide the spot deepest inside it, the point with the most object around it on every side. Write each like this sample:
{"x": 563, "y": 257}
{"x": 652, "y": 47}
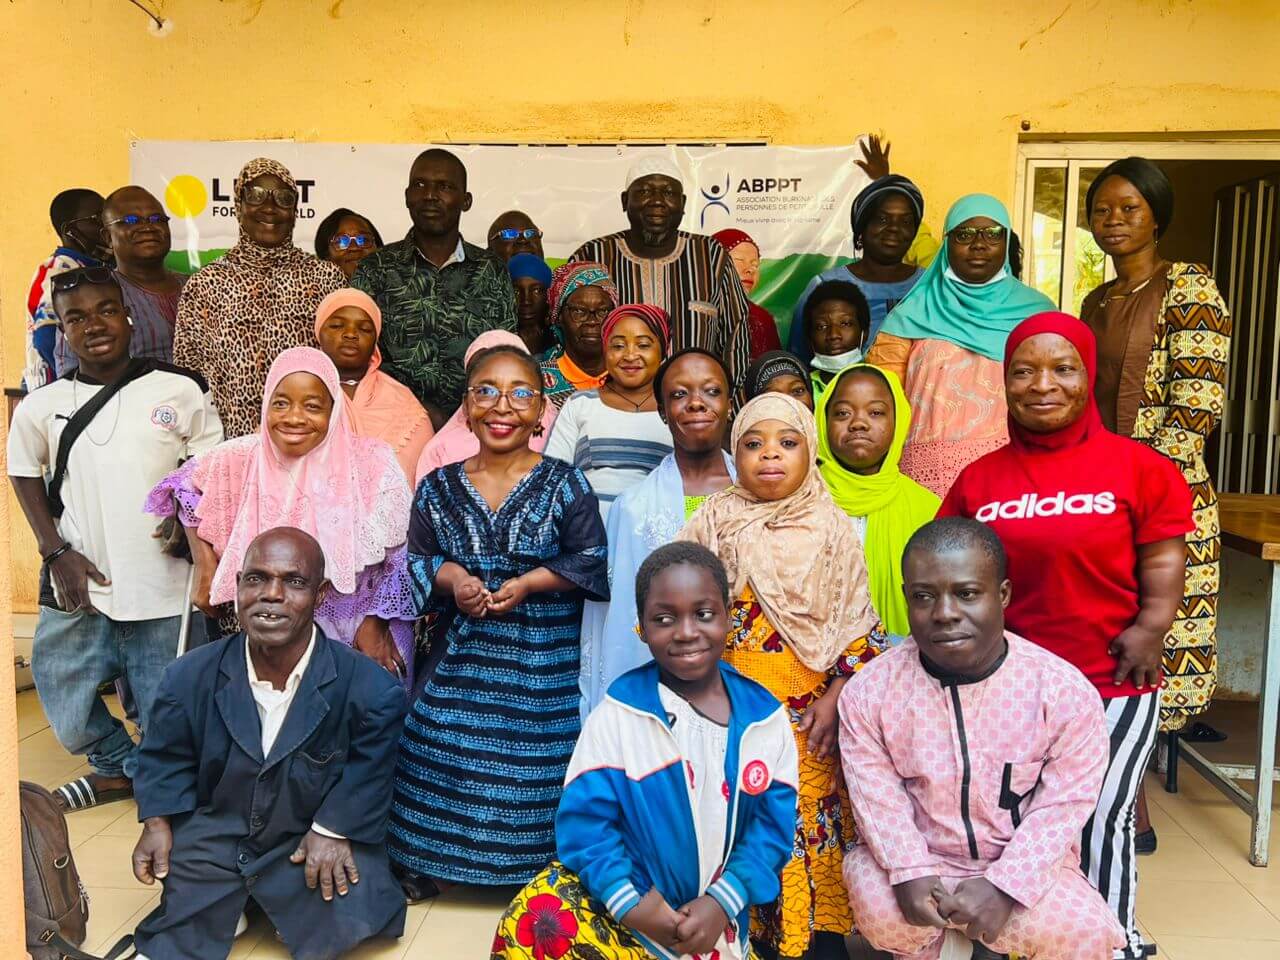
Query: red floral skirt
{"x": 554, "y": 918}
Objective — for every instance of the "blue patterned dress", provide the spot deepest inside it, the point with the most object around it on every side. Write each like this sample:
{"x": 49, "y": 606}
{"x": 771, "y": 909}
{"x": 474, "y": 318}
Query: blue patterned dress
{"x": 486, "y": 746}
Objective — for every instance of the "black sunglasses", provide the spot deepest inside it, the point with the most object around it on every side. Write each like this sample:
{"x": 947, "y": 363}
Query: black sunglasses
{"x": 70, "y": 279}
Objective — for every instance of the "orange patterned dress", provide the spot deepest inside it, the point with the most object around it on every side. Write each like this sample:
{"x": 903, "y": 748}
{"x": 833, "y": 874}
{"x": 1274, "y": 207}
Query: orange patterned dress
{"x": 813, "y": 897}
{"x": 958, "y": 410}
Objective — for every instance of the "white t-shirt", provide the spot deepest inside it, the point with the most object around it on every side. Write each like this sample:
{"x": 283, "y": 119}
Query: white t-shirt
{"x": 703, "y": 744}
{"x": 138, "y": 438}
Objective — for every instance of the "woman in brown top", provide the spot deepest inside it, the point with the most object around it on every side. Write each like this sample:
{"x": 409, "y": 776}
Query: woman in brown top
{"x": 1164, "y": 337}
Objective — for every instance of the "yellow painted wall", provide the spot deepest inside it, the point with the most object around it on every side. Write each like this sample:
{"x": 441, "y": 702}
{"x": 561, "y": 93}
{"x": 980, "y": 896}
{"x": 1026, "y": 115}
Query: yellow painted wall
{"x": 950, "y": 83}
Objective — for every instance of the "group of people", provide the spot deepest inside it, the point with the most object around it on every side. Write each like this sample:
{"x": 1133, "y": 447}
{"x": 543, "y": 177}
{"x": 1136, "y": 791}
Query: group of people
{"x": 500, "y": 567}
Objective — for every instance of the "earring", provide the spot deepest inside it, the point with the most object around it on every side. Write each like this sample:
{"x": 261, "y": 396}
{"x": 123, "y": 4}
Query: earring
{"x": 538, "y": 431}
{"x": 129, "y": 318}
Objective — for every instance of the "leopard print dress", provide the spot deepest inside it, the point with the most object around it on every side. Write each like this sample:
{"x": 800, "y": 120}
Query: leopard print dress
{"x": 237, "y": 314}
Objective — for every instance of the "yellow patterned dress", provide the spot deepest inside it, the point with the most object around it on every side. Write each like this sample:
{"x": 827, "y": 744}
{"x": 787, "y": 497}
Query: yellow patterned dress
{"x": 554, "y": 917}
{"x": 1183, "y": 396}
{"x": 813, "y": 897}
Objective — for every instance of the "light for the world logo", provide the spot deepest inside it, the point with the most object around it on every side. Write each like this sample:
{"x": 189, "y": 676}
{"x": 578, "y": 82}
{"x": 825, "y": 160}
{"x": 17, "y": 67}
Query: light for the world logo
{"x": 185, "y": 196}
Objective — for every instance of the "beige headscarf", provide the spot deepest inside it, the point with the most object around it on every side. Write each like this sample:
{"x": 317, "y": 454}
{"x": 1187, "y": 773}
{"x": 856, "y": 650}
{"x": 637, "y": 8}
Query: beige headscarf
{"x": 800, "y": 554}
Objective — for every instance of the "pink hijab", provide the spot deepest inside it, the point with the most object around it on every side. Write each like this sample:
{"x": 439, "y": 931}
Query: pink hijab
{"x": 455, "y": 441}
{"x": 382, "y": 407}
{"x": 349, "y": 492}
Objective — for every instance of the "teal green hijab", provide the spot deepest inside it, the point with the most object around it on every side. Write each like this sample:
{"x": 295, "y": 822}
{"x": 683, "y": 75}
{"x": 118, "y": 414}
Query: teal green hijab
{"x": 977, "y": 318}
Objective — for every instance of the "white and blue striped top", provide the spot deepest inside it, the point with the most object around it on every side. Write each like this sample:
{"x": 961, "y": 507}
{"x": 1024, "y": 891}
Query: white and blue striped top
{"x": 615, "y": 449}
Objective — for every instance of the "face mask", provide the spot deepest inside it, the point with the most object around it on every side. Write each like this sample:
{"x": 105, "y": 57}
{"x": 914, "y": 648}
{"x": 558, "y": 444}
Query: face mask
{"x": 834, "y": 363}
{"x": 1000, "y": 275}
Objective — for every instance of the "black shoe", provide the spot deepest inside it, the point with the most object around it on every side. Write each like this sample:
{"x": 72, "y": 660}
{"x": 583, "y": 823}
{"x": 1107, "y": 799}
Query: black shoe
{"x": 1144, "y": 844}
{"x": 416, "y": 888}
{"x": 1203, "y": 733}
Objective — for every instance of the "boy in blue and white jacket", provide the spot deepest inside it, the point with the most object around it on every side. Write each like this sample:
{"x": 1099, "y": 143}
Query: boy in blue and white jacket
{"x": 679, "y": 806}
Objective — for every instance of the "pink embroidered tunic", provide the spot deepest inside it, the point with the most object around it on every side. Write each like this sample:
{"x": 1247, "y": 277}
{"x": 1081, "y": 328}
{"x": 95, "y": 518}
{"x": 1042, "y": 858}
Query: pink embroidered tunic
{"x": 995, "y": 778}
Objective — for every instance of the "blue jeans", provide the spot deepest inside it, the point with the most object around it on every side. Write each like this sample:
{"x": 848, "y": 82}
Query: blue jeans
{"x": 73, "y": 654}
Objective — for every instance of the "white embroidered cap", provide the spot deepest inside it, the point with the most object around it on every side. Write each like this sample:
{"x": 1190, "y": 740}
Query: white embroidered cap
{"x": 650, "y": 164}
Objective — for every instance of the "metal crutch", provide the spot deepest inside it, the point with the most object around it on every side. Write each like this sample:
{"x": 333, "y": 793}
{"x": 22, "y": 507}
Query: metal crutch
{"x": 185, "y": 627}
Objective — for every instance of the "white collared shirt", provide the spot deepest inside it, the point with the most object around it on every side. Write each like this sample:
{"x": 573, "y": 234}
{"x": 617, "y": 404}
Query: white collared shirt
{"x": 273, "y": 705}
{"x": 459, "y": 254}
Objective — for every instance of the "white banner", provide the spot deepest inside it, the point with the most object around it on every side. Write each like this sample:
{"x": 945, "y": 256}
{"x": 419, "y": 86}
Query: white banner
{"x": 793, "y": 201}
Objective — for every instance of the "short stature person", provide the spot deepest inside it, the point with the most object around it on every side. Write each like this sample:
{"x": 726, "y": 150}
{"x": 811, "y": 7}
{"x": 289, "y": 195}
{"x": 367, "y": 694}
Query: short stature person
{"x": 974, "y": 759}
{"x": 1095, "y": 526}
{"x": 801, "y": 624}
{"x": 267, "y": 774}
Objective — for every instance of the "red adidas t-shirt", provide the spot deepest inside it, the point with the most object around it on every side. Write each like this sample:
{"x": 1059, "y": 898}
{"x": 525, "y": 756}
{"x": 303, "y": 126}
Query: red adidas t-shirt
{"x": 1071, "y": 522}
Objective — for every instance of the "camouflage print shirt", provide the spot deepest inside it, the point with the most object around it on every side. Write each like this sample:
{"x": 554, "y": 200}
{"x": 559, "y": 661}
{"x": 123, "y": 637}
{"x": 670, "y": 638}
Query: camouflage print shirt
{"x": 431, "y": 314}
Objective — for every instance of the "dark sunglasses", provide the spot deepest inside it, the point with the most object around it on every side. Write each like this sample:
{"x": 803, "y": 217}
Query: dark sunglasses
{"x": 70, "y": 279}
{"x": 94, "y": 218}
{"x": 134, "y": 219}
{"x": 344, "y": 240}
{"x": 530, "y": 233}
{"x": 256, "y": 196}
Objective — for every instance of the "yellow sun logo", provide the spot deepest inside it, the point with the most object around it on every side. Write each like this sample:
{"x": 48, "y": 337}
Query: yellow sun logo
{"x": 185, "y": 196}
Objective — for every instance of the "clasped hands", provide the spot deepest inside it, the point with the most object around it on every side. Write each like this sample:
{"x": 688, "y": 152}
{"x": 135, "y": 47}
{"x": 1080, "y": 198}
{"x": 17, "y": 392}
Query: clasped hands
{"x": 472, "y": 597}
{"x": 977, "y": 907}
{"x": 694, "y": 928}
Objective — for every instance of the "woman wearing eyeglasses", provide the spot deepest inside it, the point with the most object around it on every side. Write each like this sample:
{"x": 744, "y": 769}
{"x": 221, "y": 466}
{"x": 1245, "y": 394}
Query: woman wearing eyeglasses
{"x": 345, "y": 238}
{"x": 512, "y": 542}
{"x": 945, "y": 342}
{"x": 580, "y": 297}
{"x": 237, "y": 314}
{"x": 614, "y": 434}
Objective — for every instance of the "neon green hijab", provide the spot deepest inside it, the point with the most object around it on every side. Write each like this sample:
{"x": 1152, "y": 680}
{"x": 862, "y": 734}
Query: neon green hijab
{"x": 895, "y": 505}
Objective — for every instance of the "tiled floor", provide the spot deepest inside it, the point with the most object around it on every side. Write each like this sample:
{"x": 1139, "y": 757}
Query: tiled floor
{"x": 1199, "y": 899}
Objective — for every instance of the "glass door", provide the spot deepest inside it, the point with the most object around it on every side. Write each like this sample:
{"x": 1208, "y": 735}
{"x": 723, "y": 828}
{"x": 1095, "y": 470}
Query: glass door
{"x": 1064, "y": 263}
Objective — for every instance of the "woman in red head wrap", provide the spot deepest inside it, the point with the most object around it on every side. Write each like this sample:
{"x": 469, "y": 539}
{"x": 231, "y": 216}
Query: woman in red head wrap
{"x": 1094, "y": 525}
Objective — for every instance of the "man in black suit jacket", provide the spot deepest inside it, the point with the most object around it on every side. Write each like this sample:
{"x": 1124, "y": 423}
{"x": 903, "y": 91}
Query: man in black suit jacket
{"x": 265, "y": 773}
